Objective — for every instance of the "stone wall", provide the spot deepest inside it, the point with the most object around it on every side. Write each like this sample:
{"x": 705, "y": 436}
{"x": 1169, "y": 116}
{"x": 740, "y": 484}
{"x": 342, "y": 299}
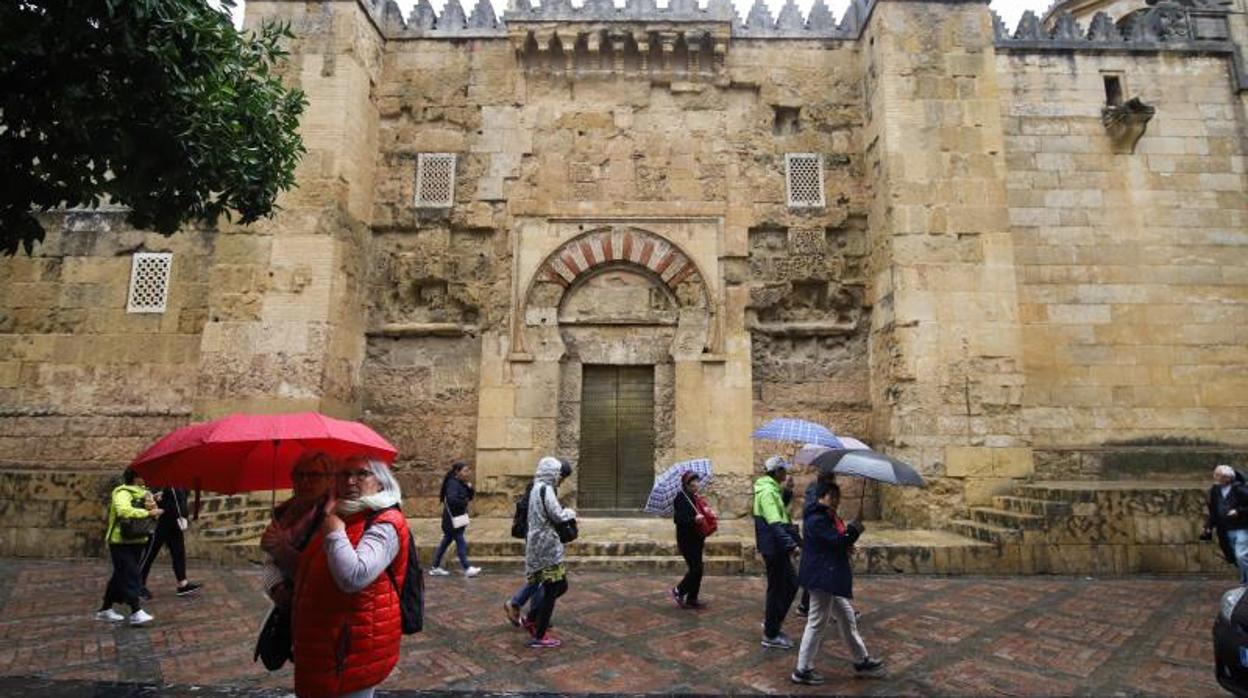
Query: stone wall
{"x": 946, "y": 346}
{"x": 1131, "y": 265}
{"x": 83, "y": 383}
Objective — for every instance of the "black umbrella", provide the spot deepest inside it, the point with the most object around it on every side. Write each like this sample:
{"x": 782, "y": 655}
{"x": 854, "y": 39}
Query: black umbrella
{"x": 872, "y": 465}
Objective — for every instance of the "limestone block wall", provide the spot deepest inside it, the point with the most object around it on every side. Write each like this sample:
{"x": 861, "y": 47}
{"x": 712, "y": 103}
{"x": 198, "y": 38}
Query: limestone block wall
{"x": 83, "y": 383}
{"x": 544, "y": 158}
{"x": 1130, "y": 266}
{"x": 946, "y": 348}
{"x": 286, "y": 329}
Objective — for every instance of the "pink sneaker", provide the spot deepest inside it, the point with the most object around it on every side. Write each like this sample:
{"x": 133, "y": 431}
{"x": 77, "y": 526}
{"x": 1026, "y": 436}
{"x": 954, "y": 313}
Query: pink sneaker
{"x": 546, "y": 642}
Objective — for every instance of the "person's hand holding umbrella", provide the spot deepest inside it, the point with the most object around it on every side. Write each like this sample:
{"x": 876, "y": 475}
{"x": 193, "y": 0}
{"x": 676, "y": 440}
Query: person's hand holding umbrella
{"x": 332, "y": 522}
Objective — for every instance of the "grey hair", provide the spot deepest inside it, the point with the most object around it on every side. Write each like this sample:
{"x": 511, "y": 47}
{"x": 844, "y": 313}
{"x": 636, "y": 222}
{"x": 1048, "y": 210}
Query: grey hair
{"x": 389, "y": 494}
{"x": 1224, "y": 471}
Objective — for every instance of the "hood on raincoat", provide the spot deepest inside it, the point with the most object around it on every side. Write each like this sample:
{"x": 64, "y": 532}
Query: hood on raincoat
{"x": 548, "y": 470}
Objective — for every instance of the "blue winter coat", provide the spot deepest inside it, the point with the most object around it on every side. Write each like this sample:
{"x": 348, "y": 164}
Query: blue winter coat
{"x": 825, "y": 553}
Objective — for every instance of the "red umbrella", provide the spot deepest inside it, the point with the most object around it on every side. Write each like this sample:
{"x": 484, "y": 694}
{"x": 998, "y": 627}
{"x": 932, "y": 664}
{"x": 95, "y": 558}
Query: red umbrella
{"x": 251, "y": 452}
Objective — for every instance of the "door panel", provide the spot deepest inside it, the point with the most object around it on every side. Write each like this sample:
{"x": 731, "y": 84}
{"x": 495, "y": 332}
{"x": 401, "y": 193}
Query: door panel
{"x": 617, "y": 437}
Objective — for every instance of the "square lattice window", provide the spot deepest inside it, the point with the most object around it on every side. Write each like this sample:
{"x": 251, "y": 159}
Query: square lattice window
{"x": 149, "y": 282}
{"x": 435, "y": 180}
{"x": 803, "y": 180}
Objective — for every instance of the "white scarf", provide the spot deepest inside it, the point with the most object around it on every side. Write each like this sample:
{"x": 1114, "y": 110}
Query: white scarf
{"x": 370, "y": 502}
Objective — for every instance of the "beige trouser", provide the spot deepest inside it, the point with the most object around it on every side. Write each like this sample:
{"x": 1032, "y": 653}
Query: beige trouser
{"x": 823, "y": 608}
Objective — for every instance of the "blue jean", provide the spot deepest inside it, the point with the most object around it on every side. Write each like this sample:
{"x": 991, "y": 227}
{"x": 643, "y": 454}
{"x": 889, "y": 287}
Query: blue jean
{"x": 1239, "y": 541}
{"x": 461, "y": 547}
{"x": 531, "y": 594}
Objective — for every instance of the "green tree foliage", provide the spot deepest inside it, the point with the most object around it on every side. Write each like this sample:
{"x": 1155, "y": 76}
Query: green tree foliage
{"x": 158, "y": 105}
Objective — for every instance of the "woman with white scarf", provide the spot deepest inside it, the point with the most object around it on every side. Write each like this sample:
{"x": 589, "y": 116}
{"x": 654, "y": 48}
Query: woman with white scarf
{"x": 347, "y": 623}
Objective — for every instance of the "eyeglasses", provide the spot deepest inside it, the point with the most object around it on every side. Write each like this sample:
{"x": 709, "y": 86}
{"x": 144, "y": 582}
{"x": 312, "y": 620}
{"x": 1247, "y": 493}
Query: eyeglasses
{"x": 357, "y": 474}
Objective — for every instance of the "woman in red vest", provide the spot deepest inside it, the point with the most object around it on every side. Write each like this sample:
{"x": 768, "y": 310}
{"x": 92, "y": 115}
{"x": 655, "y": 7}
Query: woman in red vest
{"x": 346, "y": 622}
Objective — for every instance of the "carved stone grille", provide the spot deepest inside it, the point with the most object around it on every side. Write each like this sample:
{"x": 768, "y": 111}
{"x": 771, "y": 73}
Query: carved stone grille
{"x": 435, "y": 180}
{"x": 149, "y": 282}
{"x": 804, "y": 180}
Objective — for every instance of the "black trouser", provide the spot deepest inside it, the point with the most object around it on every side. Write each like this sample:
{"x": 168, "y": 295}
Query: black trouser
{"x": 804, "y": 604}
{"x": 167, "y": 533}
{"x": 691, "y": 548}
{"x": 551, "y": 591}
{"x": 124, "y": 584}
{"x": 781, "y": 588}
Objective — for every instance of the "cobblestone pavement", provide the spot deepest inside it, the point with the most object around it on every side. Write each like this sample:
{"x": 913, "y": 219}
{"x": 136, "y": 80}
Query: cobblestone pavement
{"x": 939, "y": 636}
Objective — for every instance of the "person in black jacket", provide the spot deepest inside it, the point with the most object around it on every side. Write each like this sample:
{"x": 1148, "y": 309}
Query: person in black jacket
{"x": 690, "y": 542}
{"x": 454, "y": 496}
{"x": 169, "y": 531}
{"x": 827, "y": 574}
{"x": 1228, "y": 513}
{"x": 812, "y": 493}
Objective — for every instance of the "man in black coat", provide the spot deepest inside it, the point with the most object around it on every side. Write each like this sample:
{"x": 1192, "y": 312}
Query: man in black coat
{"x": 1228, "y": 513}
{"x": 169, "y": 531}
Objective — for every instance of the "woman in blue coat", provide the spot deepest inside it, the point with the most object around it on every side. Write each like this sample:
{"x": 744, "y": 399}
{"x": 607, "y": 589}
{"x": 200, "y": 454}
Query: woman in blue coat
{"x": 455, "y": 494}
{"x": 825, "y": 571}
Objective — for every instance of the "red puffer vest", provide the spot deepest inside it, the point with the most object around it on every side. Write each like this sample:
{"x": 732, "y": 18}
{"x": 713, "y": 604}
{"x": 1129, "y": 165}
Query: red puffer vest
{"x": 345, "y": 642}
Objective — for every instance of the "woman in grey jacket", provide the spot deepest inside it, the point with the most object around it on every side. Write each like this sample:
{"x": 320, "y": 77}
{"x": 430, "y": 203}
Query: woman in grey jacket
{"x": 543, "y": 551}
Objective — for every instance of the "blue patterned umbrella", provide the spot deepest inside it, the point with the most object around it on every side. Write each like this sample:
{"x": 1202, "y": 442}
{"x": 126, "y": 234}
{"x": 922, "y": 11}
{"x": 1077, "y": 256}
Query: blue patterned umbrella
{"x": 667, "y": 484}
{"x": 798, "y": 430}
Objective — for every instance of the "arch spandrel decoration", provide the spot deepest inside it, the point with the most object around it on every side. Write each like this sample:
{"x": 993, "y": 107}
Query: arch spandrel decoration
{"x": 614, "y": 246}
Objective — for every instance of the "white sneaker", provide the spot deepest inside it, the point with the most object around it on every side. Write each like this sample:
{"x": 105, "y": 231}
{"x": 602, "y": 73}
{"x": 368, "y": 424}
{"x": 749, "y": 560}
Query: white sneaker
{"x": 140, "y": 617}
{"x": 438, "y": 572}
{"x": 472, "y": 571}
{"x": 109, "y": 615}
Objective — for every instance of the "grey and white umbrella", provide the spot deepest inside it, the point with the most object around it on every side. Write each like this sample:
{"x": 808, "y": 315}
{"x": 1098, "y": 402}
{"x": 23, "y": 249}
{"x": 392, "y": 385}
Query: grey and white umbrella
{"x": 810, "y": 452}
{"x": 872, "y": 465}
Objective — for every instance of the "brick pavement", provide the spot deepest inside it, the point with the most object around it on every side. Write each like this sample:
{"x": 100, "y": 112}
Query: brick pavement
{"x": 940, "y": 636}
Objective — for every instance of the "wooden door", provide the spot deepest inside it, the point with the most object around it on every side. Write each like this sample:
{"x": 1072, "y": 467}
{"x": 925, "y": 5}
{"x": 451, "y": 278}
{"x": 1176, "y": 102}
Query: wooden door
{"x": 617, "y": 437}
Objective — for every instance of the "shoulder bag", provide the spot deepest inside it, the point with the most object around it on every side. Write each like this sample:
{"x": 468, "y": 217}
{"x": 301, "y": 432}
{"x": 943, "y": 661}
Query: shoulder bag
{"x": 567, "y": 530}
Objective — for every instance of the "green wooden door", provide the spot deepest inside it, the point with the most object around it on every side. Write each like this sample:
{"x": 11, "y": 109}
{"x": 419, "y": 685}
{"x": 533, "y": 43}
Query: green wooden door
{"x": 617, "y": 437}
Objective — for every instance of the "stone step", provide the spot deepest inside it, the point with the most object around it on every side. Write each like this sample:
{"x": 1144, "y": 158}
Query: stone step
{"x": 671, "y": 564}
{"x": 1006, "y": 519}
{"x": 1036, "y": 507}
{"x": 212, "y": 504}
{"x": 235, "y": 532}
{"x": 579, "y": 548}
{"x": 238, "y": 515}
{"x": 985, "y": 532}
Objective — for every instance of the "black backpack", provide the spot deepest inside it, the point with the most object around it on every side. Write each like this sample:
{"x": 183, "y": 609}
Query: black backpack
{"x": 412, "y": 593}
{"x": 520, "y": 519}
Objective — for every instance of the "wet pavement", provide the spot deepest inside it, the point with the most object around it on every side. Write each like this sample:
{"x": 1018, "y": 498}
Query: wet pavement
{"x": 938, "y": 635}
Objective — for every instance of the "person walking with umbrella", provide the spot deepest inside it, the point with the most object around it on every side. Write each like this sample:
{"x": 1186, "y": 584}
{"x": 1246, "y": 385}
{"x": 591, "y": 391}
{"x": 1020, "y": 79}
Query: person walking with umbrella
{"x": 688, "y": 513}
{"x": 455, "y": 494}
{"x": 777, "y": 541}
{"x": 826, "y": 573}
{"x": 346, "y": 621}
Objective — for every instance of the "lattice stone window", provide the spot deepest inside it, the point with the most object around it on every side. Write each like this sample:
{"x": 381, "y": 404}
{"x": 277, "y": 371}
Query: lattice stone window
{"x": 435, "y": 180}
{"x": 803, "y": 179}
{"x": 149, "y": 282}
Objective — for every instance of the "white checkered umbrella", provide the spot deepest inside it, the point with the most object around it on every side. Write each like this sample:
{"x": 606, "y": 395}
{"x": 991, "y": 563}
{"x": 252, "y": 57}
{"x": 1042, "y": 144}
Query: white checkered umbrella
{"x": 799, "y": 430}
{"x": 667, "y": 484}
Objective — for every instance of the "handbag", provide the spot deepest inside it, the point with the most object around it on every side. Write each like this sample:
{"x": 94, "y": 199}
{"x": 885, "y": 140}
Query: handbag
{"x": 137, "y": 528}
{"x": 183, "y": 524}
{"x": 273, "y": 646}
{"x": 456, "y": 521}
{"x": 567, "y": 530}
{"x": 710, "y": 522}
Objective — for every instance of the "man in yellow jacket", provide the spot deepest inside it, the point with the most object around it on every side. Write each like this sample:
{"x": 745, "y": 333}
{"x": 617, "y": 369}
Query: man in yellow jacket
{"x": 130, "y": 501}
{"x": 778, "y": 542}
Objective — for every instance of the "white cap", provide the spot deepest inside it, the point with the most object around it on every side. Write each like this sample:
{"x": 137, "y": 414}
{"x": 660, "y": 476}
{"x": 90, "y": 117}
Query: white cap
{"x": 776, "y": 463}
